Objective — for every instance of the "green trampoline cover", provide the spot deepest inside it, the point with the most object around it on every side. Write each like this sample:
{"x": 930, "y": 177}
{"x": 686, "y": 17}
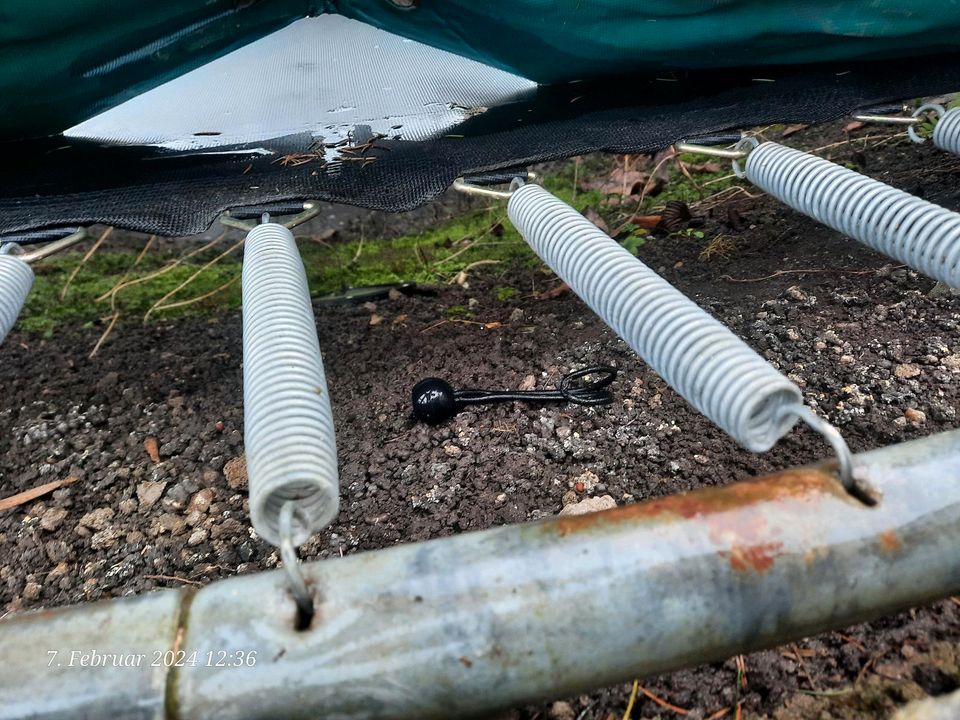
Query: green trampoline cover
{"x": 62, "y": 61}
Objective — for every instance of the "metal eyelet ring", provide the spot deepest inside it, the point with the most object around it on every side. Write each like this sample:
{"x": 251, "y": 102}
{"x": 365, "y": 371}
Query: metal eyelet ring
{"x": 291, "y": 565}
{"x": 934, "y": 108}
{"x": 746, "y": 144}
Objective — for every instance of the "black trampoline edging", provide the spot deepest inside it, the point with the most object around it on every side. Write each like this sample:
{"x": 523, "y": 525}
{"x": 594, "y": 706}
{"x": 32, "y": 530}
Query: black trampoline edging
{"x": 59, "y": 182}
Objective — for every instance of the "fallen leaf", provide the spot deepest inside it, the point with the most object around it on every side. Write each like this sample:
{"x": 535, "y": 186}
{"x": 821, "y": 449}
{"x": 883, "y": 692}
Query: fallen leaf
{"x": 554, "y": 292}
{"x": 705, "y": 167}
{"x": 376, "y": 319}
{"x": 399, "y": 319}
{"x": 150, "y": 445}
{"x": 648, "y": 222}
{"x": 854, "y": 125}
{"x": 661, "y": 173}
{"x": 791, "y": 129}
{"x": 594, "y": 217}
{"x": 26, "y": 496}
{"x": 618, "y": 182}
{"x": 492, "y": 325}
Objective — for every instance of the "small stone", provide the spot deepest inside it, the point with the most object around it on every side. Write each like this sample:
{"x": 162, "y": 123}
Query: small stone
{"x": 907, "y": 370}
{"x": 589, "y": 505}
{"x": 561, "y": 711}
{"x": 452, "y": 450}
{"x": 97, "y": 519}
{"x": 210, "y": 477}
{"x": 529, "y": 383}
{"x": 501, "y": 498}
{"x": 31, "y": 591}
{"x": 195, "y": 518}
{"x": 197, "y": 537}
{"x": 128, "y": 506}
{"x": 394, "y": 295}
{"x": 570, "y": 498}
{"x": 846, "y": 360}
{"x": 915, "y": 417}
{"x": 952, "y": 362}
{"x": 108, "y": 382}
{"x": 61, "y": 570}
{"x": 585, "y": 482}
{"x": 235, "y": 472}
{"x": 173, "y": 524}
{"x": 201, "y": 500}
{"x": 148, "y": 492}
{"x": 795, "y": 293}
{"x": 376, "y": 319}
{"x": 516, "y": 316}
{"x": 106, "y": 538}
{"x": 52, "y": 518}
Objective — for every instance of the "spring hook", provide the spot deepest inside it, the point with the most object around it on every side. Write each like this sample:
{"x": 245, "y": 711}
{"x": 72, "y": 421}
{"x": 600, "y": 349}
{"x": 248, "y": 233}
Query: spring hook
{"x": 291, "y": 565}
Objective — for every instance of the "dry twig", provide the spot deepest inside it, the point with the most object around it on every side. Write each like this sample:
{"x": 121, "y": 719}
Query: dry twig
{"x": 8, "y": 503}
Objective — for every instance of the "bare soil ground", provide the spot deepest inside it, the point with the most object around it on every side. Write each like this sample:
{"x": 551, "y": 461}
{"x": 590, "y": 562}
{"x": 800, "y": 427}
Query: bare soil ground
{"x": 872, "y": 348}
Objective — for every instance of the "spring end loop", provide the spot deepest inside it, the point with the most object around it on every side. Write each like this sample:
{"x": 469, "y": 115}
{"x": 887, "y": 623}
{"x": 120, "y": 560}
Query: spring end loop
{"x": 745, "y": 145}
{"x": 293, "y": 569}
{"x": 934, "y": 108}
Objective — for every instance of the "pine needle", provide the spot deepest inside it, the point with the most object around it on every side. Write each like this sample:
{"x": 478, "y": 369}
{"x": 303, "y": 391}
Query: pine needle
{"x": 8, "y": 503}
{"x": 96, "y": 246}
{"x": 162, "y": 271}
{"x": 113, "y": 299}
{"x": 633, "y": 699}
{"x": 193, "y": 277}
{"x": 199, "y": 298}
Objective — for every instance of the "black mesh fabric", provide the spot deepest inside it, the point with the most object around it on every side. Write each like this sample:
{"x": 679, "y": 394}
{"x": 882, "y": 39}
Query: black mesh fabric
{"x": 68, "y": 183}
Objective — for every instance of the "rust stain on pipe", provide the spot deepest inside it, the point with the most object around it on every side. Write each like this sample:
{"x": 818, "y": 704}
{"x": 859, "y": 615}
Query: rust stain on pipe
{"x": 735, "y": 515}
{"x": 803, "y": 485}
{"x": 889, "y": 542}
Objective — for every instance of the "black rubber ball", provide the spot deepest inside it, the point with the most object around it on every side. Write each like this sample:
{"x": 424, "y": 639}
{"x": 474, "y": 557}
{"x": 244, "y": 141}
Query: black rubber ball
{"x": 434, "y": 401}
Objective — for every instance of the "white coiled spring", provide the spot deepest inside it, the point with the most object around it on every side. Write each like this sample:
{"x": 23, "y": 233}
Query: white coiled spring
{"x": 16, "y": 279}
{"x": 946, "y": 133}
{"x": 713, "y": 369}
{"x": 918, "y": 233}
{"x": 288, "y": 424}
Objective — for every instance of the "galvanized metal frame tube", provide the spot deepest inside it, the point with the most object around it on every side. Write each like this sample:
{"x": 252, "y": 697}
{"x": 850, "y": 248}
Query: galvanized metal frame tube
{"x": 463, "y": 625}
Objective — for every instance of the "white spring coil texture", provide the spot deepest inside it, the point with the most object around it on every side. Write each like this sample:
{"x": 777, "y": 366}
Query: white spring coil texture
{"x": 713, "y": 369}
{"x": 288, "y": 424}
{"x": 946, "y": 133}
{"x": 917, "y": 233}
{"x": 16, "y": 279}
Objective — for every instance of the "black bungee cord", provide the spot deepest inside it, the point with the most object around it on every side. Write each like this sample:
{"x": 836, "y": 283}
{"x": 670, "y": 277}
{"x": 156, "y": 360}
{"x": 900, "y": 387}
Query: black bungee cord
{"x": 435, "y": 401}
